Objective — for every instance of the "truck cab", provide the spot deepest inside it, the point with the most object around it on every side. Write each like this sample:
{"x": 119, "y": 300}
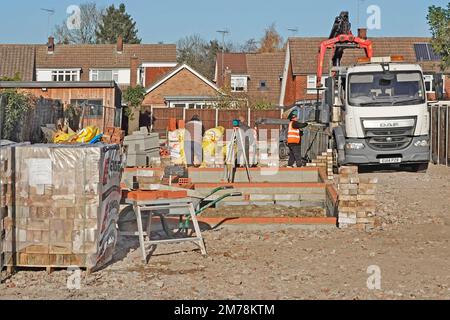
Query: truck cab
{"x": 379, "y": 114}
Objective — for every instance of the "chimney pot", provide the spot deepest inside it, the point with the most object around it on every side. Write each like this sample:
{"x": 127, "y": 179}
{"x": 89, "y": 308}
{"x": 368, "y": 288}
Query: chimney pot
{"x": 51, "y": 44}
{"x": 120, "y": 44}
{"x": 362, "y": 33}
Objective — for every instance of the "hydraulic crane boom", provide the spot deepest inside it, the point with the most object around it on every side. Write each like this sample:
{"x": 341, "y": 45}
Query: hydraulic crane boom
{"x": 341, "y": 38}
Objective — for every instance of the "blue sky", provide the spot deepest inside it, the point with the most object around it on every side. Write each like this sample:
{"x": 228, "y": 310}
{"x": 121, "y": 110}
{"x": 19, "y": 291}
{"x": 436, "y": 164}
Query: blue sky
{"x": 170, "y": 20}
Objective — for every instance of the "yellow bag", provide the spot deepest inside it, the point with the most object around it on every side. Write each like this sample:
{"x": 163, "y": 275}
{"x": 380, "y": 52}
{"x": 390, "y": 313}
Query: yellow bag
{"x": 87, "y": 134}
{"x": 209, "y": 144}
{"x": 62, "y": 137}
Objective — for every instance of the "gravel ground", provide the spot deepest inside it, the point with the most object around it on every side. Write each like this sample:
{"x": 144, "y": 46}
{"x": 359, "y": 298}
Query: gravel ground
{"x": 412, "y": 252}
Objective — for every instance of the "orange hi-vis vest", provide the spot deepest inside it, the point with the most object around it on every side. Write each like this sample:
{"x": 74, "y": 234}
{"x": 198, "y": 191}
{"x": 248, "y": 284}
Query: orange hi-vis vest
{"x": 293, "y": 134}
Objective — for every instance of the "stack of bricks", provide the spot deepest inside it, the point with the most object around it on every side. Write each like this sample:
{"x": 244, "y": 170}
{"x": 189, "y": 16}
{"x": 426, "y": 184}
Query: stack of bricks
{"x": 113, "y": 135}
{"x": 5, "y": 186}
{"x": 325, "y": 160}
{"x": 62, "y": 209}
{"x": 357, "y": 199}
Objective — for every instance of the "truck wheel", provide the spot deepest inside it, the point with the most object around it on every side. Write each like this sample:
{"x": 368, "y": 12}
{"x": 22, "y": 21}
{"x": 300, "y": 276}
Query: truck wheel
{"x": 335, "y": 156}
{"x": 420, "y": 167}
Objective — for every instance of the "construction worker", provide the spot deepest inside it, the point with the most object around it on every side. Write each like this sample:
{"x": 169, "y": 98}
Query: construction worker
{"x": 294, "y": 138}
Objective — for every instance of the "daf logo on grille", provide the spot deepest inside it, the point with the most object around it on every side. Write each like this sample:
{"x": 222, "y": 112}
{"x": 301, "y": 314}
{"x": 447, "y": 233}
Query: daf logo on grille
{"x": 389, "y": 139}
{"x": 389, "y": 124}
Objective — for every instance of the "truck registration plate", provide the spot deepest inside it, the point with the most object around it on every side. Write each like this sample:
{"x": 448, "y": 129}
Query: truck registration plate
{"x": 391, "y": 160}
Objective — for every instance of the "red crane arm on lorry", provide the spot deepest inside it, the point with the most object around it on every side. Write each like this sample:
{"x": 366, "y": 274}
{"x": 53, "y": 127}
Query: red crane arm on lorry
{"x": 348, "y": 41}
{"x": 341, "y": 38}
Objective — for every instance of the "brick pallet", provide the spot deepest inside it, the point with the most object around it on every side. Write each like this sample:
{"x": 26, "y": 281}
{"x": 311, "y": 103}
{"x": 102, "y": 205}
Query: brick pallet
{"x": 5, "y": 187}
{"x": 324, "y": 161}
{"x": 357, "y": 199}
{"x": 66, "y": 205}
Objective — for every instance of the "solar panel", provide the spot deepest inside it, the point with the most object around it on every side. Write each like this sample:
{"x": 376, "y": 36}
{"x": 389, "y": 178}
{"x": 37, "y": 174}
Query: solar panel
{"x": 433, "y": 55}
{"x": 422, "y": 53}
{"x": 425, "y": 52}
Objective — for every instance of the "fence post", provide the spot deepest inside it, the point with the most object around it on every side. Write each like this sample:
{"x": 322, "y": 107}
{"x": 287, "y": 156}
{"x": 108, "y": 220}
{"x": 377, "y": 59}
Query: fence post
{"x": 439, "y": 137}
{"x": 249, "y": 117}
{"x": 217, "y": 118}
{"x": 431, "y": 133}
{"x": 184, "y": 114}
{"x": 446, "y": 136}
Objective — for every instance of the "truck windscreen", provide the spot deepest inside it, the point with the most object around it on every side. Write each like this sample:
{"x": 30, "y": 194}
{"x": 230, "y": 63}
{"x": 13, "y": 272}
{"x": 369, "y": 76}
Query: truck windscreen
{"x": 386, "y": 88}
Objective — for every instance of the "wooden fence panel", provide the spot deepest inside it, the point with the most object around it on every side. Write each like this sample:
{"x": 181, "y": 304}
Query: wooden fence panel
{"x": 440, "y": 133}
{"x": 259, "y": 114}
{"x": 207, "y": 116}
{"x": 226, "y": 117}
{"x": 163, "y": 115}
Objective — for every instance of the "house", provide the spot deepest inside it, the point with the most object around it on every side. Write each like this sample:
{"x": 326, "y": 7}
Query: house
{"x": 101, "y": 100}
{"x": 75, "y": 73}
{"x": 182, "y": 87}
{"x": 126, "y": 64}
{"x": 299, "y": 75}
{"x": 254, "y": 76}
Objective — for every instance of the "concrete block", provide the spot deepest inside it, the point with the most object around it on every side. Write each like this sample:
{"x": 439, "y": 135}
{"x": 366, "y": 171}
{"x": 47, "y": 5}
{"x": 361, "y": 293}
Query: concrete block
{"x": 136, "y": 160}
{"x": 262, "y": 203}
{"x": 261, "y": 197}
{"x": 233, "y": 203}
{"x": 287, "y": 197}
{"x": 313, "y": 196}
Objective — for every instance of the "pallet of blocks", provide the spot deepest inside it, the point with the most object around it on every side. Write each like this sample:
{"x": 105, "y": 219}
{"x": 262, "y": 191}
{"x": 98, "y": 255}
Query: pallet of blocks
{"x": 142, "y": 148}
{"x": 64, "y": 206}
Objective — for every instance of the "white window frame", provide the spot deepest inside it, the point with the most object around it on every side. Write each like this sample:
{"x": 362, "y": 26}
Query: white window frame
{"x": 234, "y": 81}
{"x": 94, "y": 73}
{"x": 73, "y": 74}
{"x": 429, "y": 78}
{"x": 311, "y": 83}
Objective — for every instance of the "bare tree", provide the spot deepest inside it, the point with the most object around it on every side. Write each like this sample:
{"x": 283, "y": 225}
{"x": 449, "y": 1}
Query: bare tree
{"x": 90, "y": 18}
{"x": 272, "y": 41}
{"x": 249, "y": 46}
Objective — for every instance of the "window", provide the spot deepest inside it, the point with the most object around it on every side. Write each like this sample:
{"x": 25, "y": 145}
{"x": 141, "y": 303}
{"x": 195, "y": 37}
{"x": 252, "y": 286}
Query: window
{"x": 425, "y": 52}
{"x": 105, "y": 75}
{"x": 380, "y": 89}
{"x": 91, "y": 108}
{"x": 429, "y": 83}
{"x": 262, "y": 85}
{"x": 239, "y": 83}
{"x": 311, "y": 85}
{"x": 65, "y": 75}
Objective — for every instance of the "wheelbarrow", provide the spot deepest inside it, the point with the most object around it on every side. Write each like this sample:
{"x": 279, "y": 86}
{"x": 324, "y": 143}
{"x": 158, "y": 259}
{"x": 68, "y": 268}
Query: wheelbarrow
{"x": 184, "y": 221}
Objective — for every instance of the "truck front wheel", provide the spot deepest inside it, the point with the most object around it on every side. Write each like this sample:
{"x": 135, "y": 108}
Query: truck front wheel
{"x": 419, "y": 167}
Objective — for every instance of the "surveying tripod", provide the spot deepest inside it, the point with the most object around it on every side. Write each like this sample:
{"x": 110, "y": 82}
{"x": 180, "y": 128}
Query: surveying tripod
{"x": 232, "y": 154}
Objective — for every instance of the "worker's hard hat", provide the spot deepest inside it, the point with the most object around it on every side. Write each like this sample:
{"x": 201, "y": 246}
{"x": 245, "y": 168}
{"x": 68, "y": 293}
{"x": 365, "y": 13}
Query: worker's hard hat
{"x": 293, "y": 114}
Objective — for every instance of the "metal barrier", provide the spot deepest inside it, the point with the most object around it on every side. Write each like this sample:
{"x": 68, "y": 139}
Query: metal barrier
{"x": 314, "y": 141}
{"x": 440, "y": 133}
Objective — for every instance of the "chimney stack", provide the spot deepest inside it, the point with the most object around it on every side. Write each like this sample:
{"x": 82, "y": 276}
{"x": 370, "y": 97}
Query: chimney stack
{"x": 51, "y": 45}
{"x": 134, "y": 64}
{"x": 362, "y": 33}
{"x": 119, "y": 44}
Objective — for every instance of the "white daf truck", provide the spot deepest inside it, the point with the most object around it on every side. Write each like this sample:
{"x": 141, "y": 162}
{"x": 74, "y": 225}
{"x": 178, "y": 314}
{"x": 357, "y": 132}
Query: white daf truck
{"x": 378, "y": 113}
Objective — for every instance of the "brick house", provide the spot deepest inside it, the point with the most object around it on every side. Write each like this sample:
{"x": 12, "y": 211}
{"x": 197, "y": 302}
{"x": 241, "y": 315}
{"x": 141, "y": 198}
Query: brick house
{"x": 126, "y": 64}
{"x": 59, "y": 69}
{"x": 253, "y": 76}
{"x": 299, "y": 75}
{"x": 182, "y": 87}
